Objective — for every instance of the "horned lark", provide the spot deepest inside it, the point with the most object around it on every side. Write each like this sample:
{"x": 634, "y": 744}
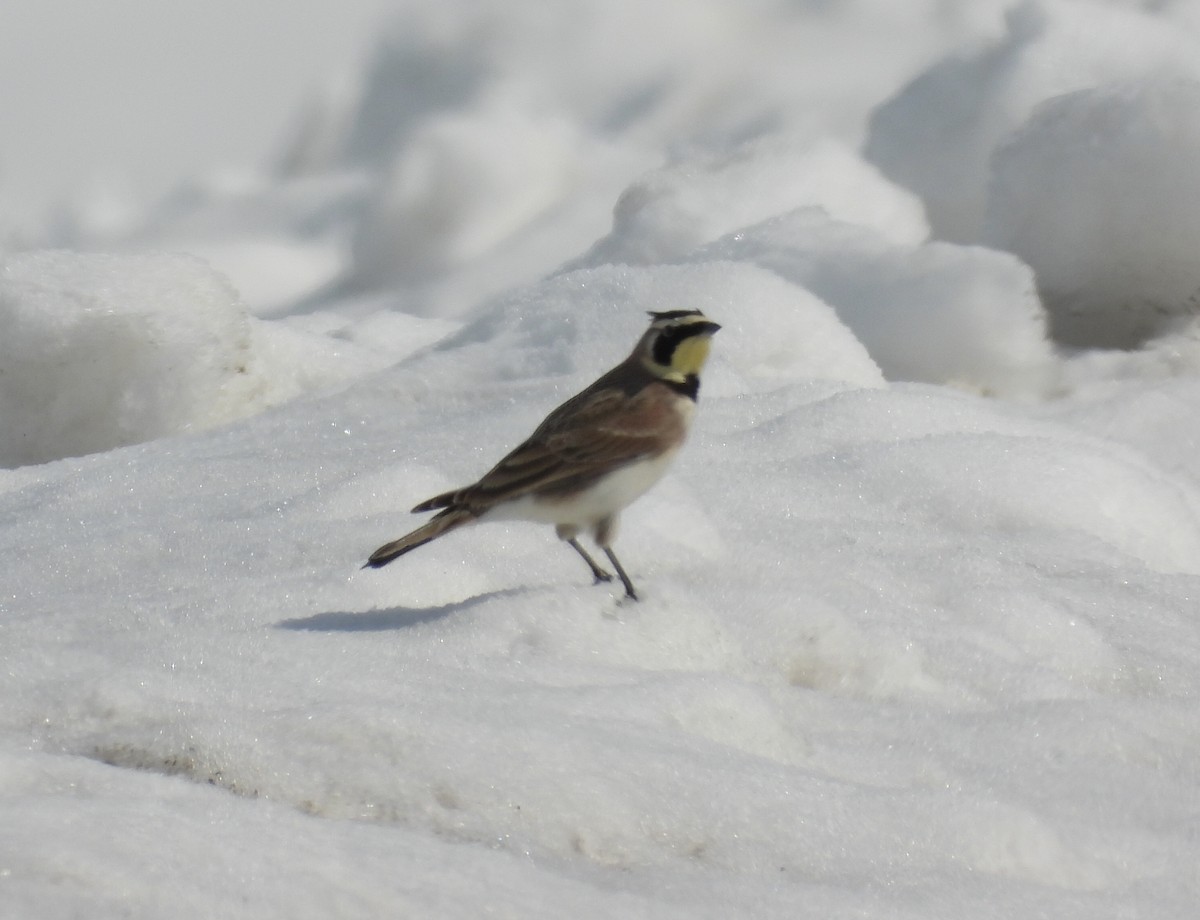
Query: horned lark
{"x": 594, "y": 454}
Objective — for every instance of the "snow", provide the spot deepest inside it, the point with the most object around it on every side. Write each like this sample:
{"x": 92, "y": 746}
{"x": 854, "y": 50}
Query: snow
{"x": 936, "y": 312}
{"x": 103, "y": 350}
{"x": 1099, "y": 181}
{"x": 672, "y": 210}
{"x": 918, "y": 632}
{"x": 937, "y": 135}
{"x": 464, "y": 184}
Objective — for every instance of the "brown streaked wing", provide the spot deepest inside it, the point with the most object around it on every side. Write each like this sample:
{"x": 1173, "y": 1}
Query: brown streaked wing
{"x": 571, "y": 450}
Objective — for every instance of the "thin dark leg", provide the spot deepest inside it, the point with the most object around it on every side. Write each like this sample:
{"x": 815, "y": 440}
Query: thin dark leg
{"x": 612, "y": 557}
{"x": 598, "y": 573}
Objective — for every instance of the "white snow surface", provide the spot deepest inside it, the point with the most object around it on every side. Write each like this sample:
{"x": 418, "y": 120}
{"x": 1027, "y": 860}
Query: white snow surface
{"x": 918, "y": 635}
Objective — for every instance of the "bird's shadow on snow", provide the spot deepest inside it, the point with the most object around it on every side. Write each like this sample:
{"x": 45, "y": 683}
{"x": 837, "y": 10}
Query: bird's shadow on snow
{"x": 383, "y": 620}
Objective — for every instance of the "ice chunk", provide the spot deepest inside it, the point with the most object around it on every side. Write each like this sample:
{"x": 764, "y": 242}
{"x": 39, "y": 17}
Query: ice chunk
{"x": 1099, "y": 193}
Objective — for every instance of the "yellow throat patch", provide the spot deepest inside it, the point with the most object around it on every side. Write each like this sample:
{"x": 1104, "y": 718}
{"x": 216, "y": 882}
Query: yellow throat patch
{"x": 689, "y": 358}
{"x": 690, "y": 355}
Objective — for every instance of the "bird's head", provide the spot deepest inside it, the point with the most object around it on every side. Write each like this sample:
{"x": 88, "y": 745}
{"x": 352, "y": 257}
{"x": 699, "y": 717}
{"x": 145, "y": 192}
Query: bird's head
{"x": 676, "y": 345}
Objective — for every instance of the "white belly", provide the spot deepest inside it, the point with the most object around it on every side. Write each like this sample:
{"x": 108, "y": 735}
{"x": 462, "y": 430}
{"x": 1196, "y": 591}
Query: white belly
{"x": 607, "y": 497}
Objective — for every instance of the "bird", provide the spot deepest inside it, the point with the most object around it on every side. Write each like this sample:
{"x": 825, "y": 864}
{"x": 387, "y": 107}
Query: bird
{"x": 593, "y": 455}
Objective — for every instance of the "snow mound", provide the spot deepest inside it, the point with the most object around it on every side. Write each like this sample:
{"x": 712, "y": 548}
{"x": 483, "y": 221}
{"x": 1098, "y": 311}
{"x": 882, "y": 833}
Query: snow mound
{"x": 100, "y": 351}
{"x": 270, "y": 274}
{"x": 578, "y": 324}
{"x": 1098, "y": 192}
{"x": 936, "y": 312}
{"x": 661, "y": 73}
{"x": 1172, "y": 355}
{"x": 464, "y": 184}
{"x": 936, "y": 136}
{"x": 672, "y": 210}
{"x": 500, "y": 134}
{"x": 1082, "y": 489}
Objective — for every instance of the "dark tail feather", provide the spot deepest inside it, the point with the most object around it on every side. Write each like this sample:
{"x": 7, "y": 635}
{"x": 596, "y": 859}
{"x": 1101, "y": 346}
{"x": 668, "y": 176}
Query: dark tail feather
{"x": 445, "y": 500}
{"x": 448, "y": 520}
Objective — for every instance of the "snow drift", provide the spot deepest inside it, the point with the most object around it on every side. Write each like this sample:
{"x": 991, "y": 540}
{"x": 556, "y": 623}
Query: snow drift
{"x": 103, "y": 350}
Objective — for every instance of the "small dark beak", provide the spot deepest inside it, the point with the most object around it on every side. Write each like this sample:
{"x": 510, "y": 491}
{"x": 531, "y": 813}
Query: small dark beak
{"x": 710, "y": 327}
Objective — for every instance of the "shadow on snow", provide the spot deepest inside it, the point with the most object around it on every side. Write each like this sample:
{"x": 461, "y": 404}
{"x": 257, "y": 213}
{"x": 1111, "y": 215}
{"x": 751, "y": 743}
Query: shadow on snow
{"x": 392, "y": 618}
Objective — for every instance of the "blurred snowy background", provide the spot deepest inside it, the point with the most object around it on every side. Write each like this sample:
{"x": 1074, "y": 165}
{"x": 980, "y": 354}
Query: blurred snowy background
{"x": 919, "y": 636}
